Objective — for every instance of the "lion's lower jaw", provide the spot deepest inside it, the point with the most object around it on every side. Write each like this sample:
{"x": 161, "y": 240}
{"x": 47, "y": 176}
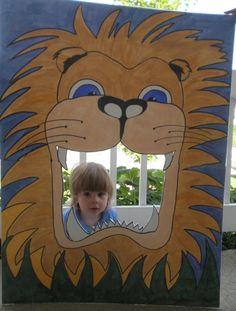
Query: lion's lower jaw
{"x": 76, "y": 233}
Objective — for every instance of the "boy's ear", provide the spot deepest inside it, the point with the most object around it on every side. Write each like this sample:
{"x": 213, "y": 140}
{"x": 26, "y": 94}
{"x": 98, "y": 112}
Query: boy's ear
{"x": 67, "y": 57}
{"x": 181, "y": 68}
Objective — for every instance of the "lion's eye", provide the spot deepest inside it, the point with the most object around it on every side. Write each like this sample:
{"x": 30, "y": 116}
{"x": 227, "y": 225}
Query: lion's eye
{"x": 155, "y": 94}
{"x": 86, "y": 88}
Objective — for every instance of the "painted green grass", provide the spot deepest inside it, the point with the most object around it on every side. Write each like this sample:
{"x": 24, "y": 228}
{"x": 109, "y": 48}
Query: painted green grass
{"x": 25, "y": 288}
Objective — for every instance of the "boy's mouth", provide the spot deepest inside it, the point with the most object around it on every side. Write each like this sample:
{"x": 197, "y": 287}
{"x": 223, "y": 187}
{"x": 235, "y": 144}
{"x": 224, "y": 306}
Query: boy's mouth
{"x": 94, "y": 209}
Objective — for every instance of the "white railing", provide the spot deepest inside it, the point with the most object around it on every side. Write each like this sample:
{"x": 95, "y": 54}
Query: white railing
{"x": 229, "y": 216}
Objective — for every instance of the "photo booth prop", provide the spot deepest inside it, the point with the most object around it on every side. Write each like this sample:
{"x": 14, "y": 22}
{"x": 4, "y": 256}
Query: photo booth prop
{"x": 85, "y": 77}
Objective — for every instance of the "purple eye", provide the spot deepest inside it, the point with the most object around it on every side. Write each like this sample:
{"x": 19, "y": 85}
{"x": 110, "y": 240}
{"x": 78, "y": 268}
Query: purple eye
{"x": 86, "y": 88}
{"x": 155, "y": 94}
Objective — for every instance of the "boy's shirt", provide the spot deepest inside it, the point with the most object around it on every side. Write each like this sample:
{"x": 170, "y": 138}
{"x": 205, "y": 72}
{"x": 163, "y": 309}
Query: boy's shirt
{"x": 110, "y": 214}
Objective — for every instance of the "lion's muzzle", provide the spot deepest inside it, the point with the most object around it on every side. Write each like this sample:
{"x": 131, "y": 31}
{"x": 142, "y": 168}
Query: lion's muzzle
{"x": 122, "y": 110}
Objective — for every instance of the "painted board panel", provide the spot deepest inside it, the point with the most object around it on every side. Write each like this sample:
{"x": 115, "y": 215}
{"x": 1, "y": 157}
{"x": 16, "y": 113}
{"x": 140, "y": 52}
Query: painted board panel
{"x": 85, "y": 77}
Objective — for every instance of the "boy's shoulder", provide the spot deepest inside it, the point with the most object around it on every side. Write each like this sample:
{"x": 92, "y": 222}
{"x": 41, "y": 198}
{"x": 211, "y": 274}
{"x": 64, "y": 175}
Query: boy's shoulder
{"x": 110, "y": 214}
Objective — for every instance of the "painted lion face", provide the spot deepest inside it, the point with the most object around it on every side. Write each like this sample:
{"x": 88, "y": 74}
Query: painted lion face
{"x": 97, "y": 92}
{"x": 92, "y": 105}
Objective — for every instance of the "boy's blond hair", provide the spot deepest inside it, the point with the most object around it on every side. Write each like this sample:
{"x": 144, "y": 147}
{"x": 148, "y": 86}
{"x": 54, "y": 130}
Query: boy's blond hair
{"x": 90, "y": 177}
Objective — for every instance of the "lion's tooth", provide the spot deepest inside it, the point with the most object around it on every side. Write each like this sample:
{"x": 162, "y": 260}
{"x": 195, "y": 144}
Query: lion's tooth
{"x": 97, "y": 228}
{"x": 123, "y": 224}
{"x": 104, "y": 225}
{"x": 130, "y": 225}
{"x": 153, "y": 222}
{"x": 136, "y": 228}
{"x": 62, "y": 155}
{"x": 117, "y": 223}
{"x": 168, "y": 160}
{"x": 111, "y": 223}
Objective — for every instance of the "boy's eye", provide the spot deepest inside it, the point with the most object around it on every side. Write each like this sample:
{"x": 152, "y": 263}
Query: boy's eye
{"x": 86, "y": 193}
{"x": 101, "y": 194}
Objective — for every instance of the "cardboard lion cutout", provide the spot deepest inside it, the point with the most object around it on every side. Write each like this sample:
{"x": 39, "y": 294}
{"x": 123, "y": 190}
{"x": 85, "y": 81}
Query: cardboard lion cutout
{"x": 156, "y": 88}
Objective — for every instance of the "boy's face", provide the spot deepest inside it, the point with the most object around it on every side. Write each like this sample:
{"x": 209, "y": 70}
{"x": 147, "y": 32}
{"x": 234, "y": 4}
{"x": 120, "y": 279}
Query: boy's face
{"x": 92, "y": 203}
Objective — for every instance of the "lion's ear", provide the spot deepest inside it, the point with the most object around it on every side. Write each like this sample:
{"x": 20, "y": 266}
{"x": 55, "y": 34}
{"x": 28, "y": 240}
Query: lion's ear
{"x": 181, "y": 68}
{"x": 66, "y": 57}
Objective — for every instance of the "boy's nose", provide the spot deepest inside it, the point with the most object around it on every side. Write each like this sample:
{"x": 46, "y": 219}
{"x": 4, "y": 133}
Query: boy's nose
{"x": 95, "y": 197}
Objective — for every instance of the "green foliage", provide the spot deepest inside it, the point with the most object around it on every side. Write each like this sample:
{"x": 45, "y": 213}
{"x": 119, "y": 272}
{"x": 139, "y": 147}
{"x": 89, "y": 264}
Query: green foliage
{"x": 155, "y": 186}
{"x": 234, "y": 136}
{"x": 66, "y": 194}
{"x": 229, "y": 240}
{"x": 232, "y": 194}
{"x": 157, "y": 4}
{"x": 127, "y": 186}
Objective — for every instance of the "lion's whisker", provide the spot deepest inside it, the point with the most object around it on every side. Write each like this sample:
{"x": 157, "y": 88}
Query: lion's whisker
{"x": 192, "y": 129}
{"x": 168, "y": 125}
{"x": 48, "y": 129}
{"x": 190, "y": 132}
{"x": 52, "y": 136}
{"x": 58, "y": 141}
{"x": 67, "y": 135}
{"x": 179, "y": 136}
{"x": 39, "y": 134}
{"x": 182, "y": 142}
{"x": 56, "y": 120}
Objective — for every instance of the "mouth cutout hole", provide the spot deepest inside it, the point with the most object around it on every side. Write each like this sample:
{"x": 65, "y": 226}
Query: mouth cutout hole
{"x": 137, "y": 200}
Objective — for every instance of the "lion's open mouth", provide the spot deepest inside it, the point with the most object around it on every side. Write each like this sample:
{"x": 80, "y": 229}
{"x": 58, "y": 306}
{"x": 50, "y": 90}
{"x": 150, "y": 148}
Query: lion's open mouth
{"x": 148, "y": 224}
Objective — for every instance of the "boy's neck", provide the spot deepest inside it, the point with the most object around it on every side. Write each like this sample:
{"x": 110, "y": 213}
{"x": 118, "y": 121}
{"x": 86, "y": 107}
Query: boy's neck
{"x": 90, "y": 220}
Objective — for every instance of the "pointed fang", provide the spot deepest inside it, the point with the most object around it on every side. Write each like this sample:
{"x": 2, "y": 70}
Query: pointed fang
{"x": 168, "y": 160}
{"x": 62, "y": 155}
{"x": 153, "y": 222}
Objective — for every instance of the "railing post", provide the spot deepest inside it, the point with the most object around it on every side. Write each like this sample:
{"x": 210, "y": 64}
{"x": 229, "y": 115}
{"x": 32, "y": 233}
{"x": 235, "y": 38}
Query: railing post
{"x": 143, "y": 181}
{"x": 113, "y": 171}
{"x": 229, "y": 145}
{"x": 82, "y": 157}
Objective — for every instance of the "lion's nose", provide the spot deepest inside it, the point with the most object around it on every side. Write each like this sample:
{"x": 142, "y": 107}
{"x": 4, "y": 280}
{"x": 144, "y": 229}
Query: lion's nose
{"x": 122, "y": 110}
{"x": 134, "y": 110}
{"x": 118, "y": 108}
{"x": 113, "y": 110}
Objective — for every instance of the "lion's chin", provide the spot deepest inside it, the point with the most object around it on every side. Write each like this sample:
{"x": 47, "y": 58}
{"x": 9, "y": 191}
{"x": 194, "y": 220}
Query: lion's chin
{"x": 75, "y": 231}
